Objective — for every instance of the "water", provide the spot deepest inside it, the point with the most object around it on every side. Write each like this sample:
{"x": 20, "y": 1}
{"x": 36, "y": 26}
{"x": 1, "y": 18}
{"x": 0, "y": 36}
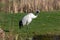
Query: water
{"x": 46, "y": 37}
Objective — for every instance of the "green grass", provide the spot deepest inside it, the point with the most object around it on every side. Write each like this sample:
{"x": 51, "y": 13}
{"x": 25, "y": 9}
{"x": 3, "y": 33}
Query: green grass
{"x": 46, "y": 22}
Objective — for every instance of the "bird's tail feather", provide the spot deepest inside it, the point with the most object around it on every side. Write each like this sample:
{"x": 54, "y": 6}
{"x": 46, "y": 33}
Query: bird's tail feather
{"x": 20, "y": 24}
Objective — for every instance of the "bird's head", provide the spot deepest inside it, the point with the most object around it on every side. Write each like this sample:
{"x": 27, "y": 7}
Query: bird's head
{"x": 37, "y": 12}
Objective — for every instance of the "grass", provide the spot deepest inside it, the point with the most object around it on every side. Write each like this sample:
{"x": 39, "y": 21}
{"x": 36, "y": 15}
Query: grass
{"x": 46, "y": 22}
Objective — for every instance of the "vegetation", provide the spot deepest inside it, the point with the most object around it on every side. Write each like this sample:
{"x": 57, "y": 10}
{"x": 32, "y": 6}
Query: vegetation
{"x": 46, "y": 23}
{"x": 16, "y": 6}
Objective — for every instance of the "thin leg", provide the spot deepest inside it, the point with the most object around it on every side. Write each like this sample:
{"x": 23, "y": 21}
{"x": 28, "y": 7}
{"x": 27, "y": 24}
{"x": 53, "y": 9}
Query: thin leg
{"x": 27, "y": 30}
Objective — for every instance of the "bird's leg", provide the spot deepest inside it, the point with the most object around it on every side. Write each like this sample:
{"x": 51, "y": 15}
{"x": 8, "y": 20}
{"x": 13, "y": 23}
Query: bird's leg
{"x": 28, "y": 26}
{"x": 27, "y": 30}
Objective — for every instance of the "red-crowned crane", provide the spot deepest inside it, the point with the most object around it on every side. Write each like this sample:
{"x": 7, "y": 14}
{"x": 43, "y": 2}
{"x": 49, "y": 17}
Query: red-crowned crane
{"x": 26, "y": 20}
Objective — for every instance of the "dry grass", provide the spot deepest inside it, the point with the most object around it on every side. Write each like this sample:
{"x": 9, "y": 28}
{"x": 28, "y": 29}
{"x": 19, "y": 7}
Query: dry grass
{"x": 30, "y": 5}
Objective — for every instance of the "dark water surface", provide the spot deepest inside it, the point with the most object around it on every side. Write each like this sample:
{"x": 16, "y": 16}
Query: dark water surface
{"x": 46, "y": 37}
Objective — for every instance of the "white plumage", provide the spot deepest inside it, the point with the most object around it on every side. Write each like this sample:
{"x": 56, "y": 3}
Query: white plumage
{"x": 26, "y": 20}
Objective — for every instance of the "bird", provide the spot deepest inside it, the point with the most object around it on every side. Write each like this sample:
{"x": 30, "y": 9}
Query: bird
{"x": 27, "y": 19}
